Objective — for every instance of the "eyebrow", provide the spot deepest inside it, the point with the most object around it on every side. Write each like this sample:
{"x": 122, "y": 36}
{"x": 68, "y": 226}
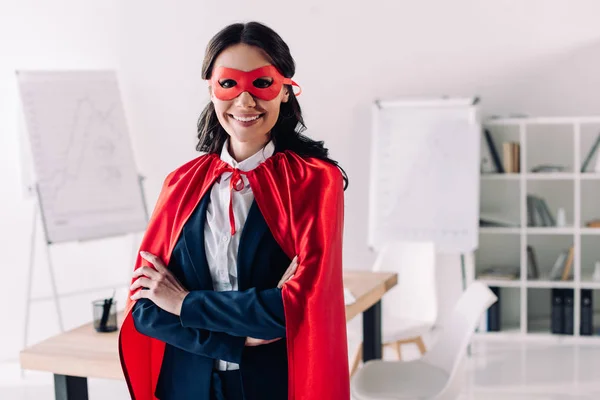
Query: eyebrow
{"x": 238, "y": 69}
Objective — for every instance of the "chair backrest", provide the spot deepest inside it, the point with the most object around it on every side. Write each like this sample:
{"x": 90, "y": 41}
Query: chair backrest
{"x": 415, "y": 295}
{"x": 456, "y": 334}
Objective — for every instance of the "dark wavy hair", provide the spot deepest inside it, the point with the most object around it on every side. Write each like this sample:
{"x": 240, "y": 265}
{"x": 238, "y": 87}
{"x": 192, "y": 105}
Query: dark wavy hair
{"x": 287, "y": 132}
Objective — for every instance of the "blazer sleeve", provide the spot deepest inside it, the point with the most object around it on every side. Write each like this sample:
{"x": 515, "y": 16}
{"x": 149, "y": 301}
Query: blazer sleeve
{"x": 254, "y": 313}
{"x": 151, "y": 320}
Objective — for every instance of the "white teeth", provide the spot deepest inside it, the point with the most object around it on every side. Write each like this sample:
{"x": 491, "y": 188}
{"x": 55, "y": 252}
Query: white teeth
{"x": 241, "y": 119}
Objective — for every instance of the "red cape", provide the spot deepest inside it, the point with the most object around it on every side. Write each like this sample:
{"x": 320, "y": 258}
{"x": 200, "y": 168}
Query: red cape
{"x": 303, "y": 205}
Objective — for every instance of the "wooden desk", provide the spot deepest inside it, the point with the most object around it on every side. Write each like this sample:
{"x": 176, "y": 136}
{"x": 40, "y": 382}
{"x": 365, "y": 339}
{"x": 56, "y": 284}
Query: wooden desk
{"x": 82, "y": 352}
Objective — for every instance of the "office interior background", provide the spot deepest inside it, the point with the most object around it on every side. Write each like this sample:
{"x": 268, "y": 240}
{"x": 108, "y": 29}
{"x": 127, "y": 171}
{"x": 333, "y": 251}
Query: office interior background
{"x": 535, "y": 58}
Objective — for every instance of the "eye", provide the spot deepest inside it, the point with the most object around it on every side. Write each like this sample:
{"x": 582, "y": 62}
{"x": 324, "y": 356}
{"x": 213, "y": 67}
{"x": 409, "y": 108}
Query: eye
{"x": 227, "y": 83}
{"x": 263, "y": 83}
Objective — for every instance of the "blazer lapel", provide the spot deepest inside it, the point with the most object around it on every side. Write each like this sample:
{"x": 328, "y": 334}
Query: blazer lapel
{"x": 193, "y": 234}
{"x": 254, "y": 229}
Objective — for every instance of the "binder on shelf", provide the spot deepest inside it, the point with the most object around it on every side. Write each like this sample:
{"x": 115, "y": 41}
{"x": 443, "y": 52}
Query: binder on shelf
{"x": 538, "y": 212}
{"x": 507, "y": 158}
{"x": 516, "y": 147}
{"x": 530, "y": 217}
{"x": 556, "y": 312}
{"x": 566, "y": 274}
{"x": 493, "y": 151}
{"x": 550, "y": 221}
{"x": 569, "y": 312}
{"x": 539, "y": 208}
{"x": 510, "y": 157}
{"x": 587, "y": 313}
{"x": 591, "y": 154}
{"x": 563, "y": 266}
{"x": 493, "y": 313}
{"x": 532, "y": 266}
{"x": 559, "y": 265}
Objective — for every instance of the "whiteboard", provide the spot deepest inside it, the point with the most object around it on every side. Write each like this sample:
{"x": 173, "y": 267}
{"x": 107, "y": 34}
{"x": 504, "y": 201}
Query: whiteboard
{"x": 424, "y": 183}
{"x": 87, "y": 182}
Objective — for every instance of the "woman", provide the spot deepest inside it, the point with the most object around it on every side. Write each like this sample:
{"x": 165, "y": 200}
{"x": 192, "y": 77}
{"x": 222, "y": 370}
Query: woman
{"x": 238, "y": 293}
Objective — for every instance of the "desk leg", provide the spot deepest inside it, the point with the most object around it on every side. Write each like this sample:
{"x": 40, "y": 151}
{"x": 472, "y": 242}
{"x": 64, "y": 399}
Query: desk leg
{"x": 372, "y": 333}
{"x": 70, "y": 387}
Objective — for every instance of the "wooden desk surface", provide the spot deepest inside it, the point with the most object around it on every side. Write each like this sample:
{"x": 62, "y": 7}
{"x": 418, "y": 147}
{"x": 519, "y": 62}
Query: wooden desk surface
{"x": 84, "y": 352}
{"x": 368, "y": 288}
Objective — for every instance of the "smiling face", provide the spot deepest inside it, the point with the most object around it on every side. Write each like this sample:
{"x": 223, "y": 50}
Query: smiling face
{"x": 246, "y": 118}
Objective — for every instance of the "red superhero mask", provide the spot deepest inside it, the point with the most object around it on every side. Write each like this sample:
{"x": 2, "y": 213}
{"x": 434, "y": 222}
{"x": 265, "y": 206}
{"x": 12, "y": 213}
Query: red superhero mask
{"x": 264, "y": 83}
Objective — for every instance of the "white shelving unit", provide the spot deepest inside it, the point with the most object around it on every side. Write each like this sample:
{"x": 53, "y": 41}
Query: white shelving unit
{"x": 526, "y": 304}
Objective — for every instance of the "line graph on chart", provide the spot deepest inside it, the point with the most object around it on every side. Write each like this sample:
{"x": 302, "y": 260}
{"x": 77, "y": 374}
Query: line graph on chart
{"x": 83, "y": 160}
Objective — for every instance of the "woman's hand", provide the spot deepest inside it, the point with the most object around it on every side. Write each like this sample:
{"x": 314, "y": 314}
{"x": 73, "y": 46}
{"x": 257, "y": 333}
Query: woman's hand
{"x": 251, "y": 342}
{"x": 163, "y": 288}
{"x": 287, "y": 275}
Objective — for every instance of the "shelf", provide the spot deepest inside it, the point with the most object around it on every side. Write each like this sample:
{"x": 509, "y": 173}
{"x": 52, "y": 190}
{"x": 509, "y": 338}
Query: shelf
{"x": 550, "y": 176}
{"x": 589, "y": 284}
{"x": 589, "y": 176}
{"x": 590, "y": 231}
{"x": 500, "y": 282}
{"x": 500, "y": 177}
{"x": 550, "y": 284}
{"x": 542, "y": 121}
{"x": 547, "y": 176}
{"x": 549, "y": 230}
{"x": 500, "y": 230}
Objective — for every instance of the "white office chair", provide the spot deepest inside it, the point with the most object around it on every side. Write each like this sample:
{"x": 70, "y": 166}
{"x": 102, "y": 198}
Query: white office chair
{"x": 410, "y": 308}
{"x": 434, "y": 376}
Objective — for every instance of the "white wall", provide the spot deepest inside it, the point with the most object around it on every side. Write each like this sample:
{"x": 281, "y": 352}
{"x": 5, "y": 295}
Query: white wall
{"x": 48, "y": 35}
{"x": 537, "y": 57}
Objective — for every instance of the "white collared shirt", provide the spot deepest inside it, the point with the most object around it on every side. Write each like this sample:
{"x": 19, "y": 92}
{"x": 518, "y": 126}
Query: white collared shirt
{"x": 221, "y": 247}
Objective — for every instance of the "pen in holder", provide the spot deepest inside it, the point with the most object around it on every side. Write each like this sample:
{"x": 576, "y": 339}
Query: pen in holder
{"x": 105, "y": 315}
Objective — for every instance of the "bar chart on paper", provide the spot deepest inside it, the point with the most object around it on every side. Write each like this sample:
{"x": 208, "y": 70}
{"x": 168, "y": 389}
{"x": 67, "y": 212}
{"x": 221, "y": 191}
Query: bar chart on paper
{"x": 87, "y": 181}
{"x": 424, "y": 174}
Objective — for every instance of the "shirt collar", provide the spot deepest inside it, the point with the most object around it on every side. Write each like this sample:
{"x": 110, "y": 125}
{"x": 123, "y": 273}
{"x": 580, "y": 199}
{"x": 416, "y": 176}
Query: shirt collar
{"x": 251, "y": 162}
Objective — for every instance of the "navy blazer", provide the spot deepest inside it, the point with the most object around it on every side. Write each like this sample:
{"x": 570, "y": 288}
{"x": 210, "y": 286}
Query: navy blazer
{"x": 214, "y": 325}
